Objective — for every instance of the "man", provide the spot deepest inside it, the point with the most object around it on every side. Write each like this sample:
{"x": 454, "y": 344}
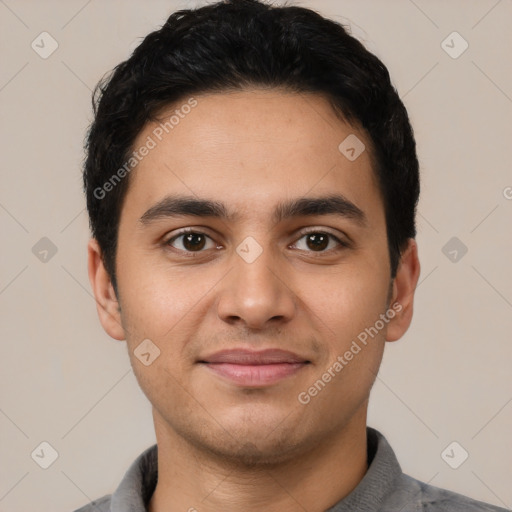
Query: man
{"x": 251, "y": 182}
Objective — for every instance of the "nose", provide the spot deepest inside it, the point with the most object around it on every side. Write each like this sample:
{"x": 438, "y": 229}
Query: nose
{"x": 256, "y": 293}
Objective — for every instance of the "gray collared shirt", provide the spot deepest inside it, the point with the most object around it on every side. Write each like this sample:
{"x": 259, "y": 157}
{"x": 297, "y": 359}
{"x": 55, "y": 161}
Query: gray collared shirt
{"x": 384, "y": 488}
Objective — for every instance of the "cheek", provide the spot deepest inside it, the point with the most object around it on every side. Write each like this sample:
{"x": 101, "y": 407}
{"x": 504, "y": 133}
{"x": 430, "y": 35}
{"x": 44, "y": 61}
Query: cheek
{"x": 346, "y": 302}
{"x": 160, "y": 308}
{"x": 346, "y": 310}
{"x": 163, "y": 303}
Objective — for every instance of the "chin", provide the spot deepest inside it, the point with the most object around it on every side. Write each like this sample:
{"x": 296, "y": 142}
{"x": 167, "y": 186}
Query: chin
{"x": 256, "y": 454}
{"x": 247, "y": 444}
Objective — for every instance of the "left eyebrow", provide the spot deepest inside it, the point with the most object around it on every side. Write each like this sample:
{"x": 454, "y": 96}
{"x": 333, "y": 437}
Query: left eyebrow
{"x": 175, "y": 206}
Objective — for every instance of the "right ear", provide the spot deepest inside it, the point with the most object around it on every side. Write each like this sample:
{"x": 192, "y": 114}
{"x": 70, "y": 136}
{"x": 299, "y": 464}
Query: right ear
{"x": 107, "y": 304}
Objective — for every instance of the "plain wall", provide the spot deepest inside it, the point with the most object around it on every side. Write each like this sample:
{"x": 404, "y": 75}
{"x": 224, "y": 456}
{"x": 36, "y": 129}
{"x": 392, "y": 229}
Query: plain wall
{"x": 66, "y": 382}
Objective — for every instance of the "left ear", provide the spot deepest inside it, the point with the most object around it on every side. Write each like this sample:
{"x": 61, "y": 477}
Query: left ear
{"x": 404, "y": 286}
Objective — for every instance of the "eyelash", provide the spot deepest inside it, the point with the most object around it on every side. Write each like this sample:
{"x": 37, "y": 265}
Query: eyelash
{"x": 194, "y": 254}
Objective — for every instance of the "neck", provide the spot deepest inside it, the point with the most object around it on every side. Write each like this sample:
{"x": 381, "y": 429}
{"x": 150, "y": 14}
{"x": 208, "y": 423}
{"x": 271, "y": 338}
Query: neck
{"x": 190, "y": 480}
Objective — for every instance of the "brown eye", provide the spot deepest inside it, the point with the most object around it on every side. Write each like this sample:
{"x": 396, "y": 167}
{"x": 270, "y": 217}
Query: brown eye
{"x": 319, "y": 241}
{"x": 191, "y": 241}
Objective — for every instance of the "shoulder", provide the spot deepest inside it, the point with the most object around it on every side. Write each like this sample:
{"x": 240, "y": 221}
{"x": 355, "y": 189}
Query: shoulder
{"x": 99, "y": 505}
{"x": 413, "y": 495}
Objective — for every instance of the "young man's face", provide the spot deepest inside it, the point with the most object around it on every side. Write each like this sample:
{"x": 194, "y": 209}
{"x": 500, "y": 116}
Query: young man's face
{"x": 254, "y": 282}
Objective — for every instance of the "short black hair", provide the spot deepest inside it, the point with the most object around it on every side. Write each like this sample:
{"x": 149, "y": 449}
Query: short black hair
{"x": 239, "y": 44}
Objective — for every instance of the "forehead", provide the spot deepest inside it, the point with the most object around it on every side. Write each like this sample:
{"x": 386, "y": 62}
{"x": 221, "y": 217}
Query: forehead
{"x": 251, "y": 148}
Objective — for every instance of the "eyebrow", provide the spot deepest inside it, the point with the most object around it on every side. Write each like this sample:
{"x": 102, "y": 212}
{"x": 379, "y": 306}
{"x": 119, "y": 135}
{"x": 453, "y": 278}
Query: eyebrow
{"x": 176, "y": 206}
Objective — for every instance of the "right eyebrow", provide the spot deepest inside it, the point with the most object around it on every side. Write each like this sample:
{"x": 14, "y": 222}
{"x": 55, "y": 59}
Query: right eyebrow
{"x": 175, "y": 206}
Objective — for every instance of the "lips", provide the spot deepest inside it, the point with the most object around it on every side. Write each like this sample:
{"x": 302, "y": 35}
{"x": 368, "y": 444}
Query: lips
{"x": 247, "y": 357}
{"x": 254, "y": 369}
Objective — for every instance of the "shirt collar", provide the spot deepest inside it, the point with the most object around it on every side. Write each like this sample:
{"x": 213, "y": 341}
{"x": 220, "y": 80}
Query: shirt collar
{"x": 378, "y": 481}
{"x": 138, "y": 484}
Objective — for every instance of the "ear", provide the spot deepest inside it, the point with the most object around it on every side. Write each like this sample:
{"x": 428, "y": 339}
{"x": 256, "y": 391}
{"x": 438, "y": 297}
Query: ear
{"x": 107, "y": 304}
{"x": 404, "y": 286}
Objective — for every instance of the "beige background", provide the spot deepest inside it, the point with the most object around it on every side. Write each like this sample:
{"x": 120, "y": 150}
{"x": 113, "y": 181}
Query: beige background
{"x": 64, "y": 381}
